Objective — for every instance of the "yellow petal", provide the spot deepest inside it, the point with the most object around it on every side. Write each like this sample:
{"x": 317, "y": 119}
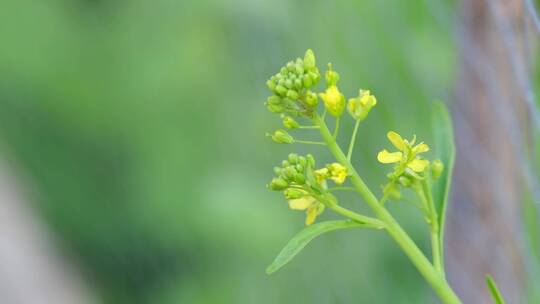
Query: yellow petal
{"x": 396, "y": 140}
{"x": 421, "y": 148}
{"x": 301, "y": 203}
{"x": 418, "y": 165}
{"x": 311, "y": 214}
{"x": 386, "y": 157}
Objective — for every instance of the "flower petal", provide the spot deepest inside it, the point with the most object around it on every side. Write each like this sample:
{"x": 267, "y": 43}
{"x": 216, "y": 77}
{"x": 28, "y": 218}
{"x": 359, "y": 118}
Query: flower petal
{"x": 418, "y": 165}
{"x": 301, "y": 203}
{"x": 421, "y": 148}
{"x": 386, "y": 157}
{"x": 311, "y": 214}
{"x": 396, "y": 140}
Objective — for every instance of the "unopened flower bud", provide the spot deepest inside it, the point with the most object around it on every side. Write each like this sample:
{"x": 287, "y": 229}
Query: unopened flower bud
{"x": 290, "y": 123}
{"x": 271, "y": 85}
{"x": 282, "y": 137}
{"x": 299, "y": 178}
{"x": 289, "y": 83}
{"x": 293, "y": 158}
{"x": 332, "y": 77}
{"x": 278, "y": 170}
{"x": 289, "y": 172}
{"x": 275, "y": 108}
{"x": 278, "y": 184}
{"x": 311, "y": 99}
{"x": 302, "y": 161}
{"x": 309, "y": 60}
{"x": 310, "y": 160}
{"x": 307, "y": 81}
{"x": 437, "y": 168}
{"x": 360, "y": 107}
{"x": 290, "y": 66}
{"x": 281, "y": 90}
{"x": 333, "y": 100}
{"x": 293, "y": 193}
{"x": 292, "y": 94}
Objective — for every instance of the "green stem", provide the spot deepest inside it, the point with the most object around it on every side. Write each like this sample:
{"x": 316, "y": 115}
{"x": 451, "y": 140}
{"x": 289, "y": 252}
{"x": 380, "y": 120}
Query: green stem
{"x": 341, "y": 188}
{"x": 336, "y": 129}
{"x": 309, "y": 142}
{"x": 308, "y": 127}
{"x": 434, "y": 231}
{"x": 437, "y": 281}
{"x": 357, "y": 217}
{"x": 353, "y": 140}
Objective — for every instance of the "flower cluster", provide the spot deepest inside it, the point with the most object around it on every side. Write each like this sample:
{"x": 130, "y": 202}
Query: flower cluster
{"x": 303, "y": 186}
{"x": 291, "y": 87}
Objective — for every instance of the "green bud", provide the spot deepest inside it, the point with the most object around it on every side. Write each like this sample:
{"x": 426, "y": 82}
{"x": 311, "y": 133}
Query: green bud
{"x": 293, "y": 193}
{"x": 298, "y": 83}
{"x": 309, "y": 60}
{"x": 278, "y": 170}
{"x": 278, "y": 184}
{"x": 275, "y": 108}
{"x": 283, "y": 71}
{"x": 282, "y": 137}
{"x": 271, "y": 85}
{"x": 307, "y": 81}
{"x": 281, "y": 90}
{"x": 285, "y": 164}
{"x": 310, "y": 160}
{"x": 273, "y": 100}
{"x": 299, "y": 67}
{"x": 290, "y": 66}
{"x": 293, "y": 158}
{"x": 292, "y": 94}
{"x": 312, "y": 99}
{"x": 299, "y": 178}
{"x": 290, "y": 123}
{"x": 289, "y": 83}
{"x": 289, "y": 172}
{"x": 302, "y": 161}
{"x": 437, "y": 168}
{"x": 332, "y": 77}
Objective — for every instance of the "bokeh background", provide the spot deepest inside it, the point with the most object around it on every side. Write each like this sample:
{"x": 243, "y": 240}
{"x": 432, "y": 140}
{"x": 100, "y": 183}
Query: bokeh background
{"x": 135, "y": 133}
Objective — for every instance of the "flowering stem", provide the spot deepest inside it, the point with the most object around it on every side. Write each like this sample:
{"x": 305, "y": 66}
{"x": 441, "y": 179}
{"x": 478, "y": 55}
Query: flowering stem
{"x": 309, "y": 142}
{"x": 424, "y": 266}
{"x": 353, "y": 140}
{"x": 341, "y": 188}
{"x": 336, "y": 129}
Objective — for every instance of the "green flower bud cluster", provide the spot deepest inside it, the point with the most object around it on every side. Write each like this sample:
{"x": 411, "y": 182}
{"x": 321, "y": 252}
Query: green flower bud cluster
{"x": 281, "y": 137}
{"x": 292, "y": 172}
{"x": 291, "y": 87}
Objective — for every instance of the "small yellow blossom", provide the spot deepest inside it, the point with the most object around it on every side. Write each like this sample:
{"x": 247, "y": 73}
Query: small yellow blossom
{"x": 333, "y": 100}
{"x": 310, "y": 204}
{"x": 408, "y": 154}
{"x": 338, "y": 173}
{"x": 321, "y": 175}
{"x": 359, "y": 107}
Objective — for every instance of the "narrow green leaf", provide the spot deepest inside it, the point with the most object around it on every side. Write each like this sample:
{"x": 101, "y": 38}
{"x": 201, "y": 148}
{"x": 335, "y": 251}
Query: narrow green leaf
{"x": 300, "y": 240}
{"x": 497, "y": 296}
{"x": 445, "y": 151}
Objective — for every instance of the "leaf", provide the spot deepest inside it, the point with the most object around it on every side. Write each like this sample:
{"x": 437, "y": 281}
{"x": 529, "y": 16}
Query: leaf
{"x": 300, "y": 240}
{"x": 497, "y": 296}
{"x": 445, "y": 151}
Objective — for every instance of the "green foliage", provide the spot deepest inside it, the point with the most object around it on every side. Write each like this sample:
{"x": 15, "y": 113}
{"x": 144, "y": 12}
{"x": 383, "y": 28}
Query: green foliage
{"x": 494, "y": 290}
{"x": 445, "y": 151}
{"x": 300, "y": 240}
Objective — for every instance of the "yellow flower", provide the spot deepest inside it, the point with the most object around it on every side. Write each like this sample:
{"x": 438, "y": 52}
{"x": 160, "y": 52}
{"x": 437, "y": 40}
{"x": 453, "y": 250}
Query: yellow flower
{"x": 333, "y": 100}
{"x": 359, "y": 107}
{"x": 338, "y": 173}
{"x": 321, "y": 175}
{"x": 310, "y": 204}
{"x": 407, "y": 154}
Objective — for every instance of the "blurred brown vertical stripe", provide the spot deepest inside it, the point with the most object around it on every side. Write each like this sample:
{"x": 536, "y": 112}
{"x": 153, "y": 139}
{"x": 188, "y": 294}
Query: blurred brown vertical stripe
{"x": 484, "y": 226}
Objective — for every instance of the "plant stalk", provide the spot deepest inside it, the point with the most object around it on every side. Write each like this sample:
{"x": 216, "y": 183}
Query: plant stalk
{"x": 435, "y": 279}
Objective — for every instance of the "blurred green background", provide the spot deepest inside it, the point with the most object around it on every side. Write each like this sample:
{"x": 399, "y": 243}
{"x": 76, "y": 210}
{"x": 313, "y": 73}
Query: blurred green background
{"x": 140, "y": 125}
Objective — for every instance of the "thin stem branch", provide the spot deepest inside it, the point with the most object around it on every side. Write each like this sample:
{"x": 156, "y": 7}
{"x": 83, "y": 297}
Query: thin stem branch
{"x": 309, "y": 142}
{"x": 353, "y": 140}
{"x": 336, "y": 129}
{"x": 308, "y": 127}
